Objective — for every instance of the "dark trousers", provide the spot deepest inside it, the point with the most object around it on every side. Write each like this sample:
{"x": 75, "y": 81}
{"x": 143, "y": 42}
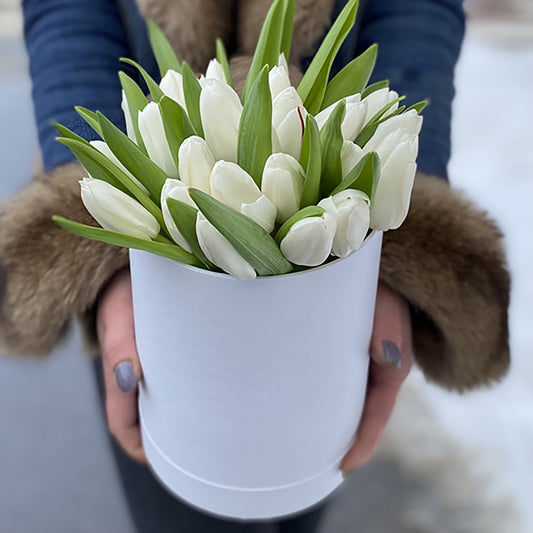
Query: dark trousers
{"x": 154, "y": 510}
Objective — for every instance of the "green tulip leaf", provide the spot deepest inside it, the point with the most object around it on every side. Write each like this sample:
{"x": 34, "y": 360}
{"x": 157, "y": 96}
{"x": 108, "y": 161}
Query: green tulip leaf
{"x": 153, "y": 87}
{"x": 306, "y": 212}
{"x": 419, "y": 106}
{"x": 372, "y": 125}
{"x": 311, "y": 161}
{"x": 384, "y": 84}
{"x": 286, "y": 36}
{"x": 255, "y": 129}
{"x": 364, "y": 176}
{"x": 100, "y": 167}
{"x": 163, "y": 52}
{"x": 133, "y": 158}
{"x": 250, "y": 240}
{"x": 352, "y": 79}
{"x": 268, "y": 46}
{"x": 136, "y": 102}
{"x": 222, "y": 58}
{"x": 191, "y": 91}
{"x": 170, "y": 251}
{"x": 176, "y": 123}
{"x": 312, "y": 88}
{"x": 332, "y": 141}
{"x": 90, "y": 117}
{"x": 184, "y": 217}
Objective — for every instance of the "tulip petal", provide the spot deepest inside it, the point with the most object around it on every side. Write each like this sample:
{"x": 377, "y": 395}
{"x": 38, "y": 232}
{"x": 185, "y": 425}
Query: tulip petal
{"x": 285, "y": 102}
{"x": 262, "y": 211}
{"x": 176, "y": 190}
{"x": 351, "y": 154}
{"x": 221, "y": 110}
{"x": 116, "y": 211}
{"x": 196, "y": 163}
{"x": 290, "y": 132}
{"x": 154, "y": 137}
{"x": 278, "y": 80}
{"x": 232, "y": 185}
{"x": 172, "y": 86}
{"x": 283, "y": 182}
{"x": 220, "y": 251}
{"x": 309, "y": 241}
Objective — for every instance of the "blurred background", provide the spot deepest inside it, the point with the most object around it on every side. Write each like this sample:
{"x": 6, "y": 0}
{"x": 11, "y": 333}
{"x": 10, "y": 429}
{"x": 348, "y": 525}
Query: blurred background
{"x": 447, "y": 463}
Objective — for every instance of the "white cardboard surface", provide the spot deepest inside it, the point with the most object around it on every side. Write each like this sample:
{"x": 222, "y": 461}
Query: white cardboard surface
{"x": 252, "y": 390}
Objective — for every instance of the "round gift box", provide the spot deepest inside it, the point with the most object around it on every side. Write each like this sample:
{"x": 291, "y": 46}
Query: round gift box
{"x": 252, "y": 390}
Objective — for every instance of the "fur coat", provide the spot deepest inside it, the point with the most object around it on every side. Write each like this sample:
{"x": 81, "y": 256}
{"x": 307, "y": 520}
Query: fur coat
{"x": 447, "y": 259}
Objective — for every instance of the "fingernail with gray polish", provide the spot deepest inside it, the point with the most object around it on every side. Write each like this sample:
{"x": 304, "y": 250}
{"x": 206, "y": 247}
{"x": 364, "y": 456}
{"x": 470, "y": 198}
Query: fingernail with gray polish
{"x": 392, "y": 354}
{"x": 125, "y": 376}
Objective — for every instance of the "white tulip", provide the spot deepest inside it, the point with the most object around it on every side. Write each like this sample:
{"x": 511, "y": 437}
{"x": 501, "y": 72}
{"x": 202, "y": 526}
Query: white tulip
{"x": 354, "y": 117}
{"x": 351, "y": 154}
{"x": 393, "y": 192}
{"x": 104, "y": 149}
{"x": 233, "y": 186}
{"x": 178, "y": 191}
{"x": 378, "y": 100}
{"x": 127, "y": 117}
{"x": 352, "y": 212}
{"x": 411, "y": 122}
{"x": 221, "y": 110}
{"x": 289, "y": 134}
{"x": 215, "y": 71}
{"x": 309, "y": 241}
{"x": 196, "y": 163}
{"x": 278, "y": 79}
{"x": 283, "y": 182}
{"x": 220, "y": 251}
{"x": 172, "y": 86}
{"x": 286, "y": 101}
{"x": 116, "y": 211}
{"x": 155, "y": 139}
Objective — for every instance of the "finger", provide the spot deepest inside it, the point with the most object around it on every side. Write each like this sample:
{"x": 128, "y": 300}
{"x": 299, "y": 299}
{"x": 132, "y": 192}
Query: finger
{"x": 390, "y": 349}
{"x": 121, "y": 365}
{"x": 384, "y": 384}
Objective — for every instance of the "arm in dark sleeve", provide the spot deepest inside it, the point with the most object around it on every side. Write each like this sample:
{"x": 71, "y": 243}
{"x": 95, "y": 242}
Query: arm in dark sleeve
{"x": 419, "y": 44}
{"x": 74, "y": 48}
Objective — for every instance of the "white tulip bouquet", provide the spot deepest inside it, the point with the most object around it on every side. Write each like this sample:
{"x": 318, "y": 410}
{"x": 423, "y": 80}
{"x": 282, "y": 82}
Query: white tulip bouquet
{"x": 275, "y": 180}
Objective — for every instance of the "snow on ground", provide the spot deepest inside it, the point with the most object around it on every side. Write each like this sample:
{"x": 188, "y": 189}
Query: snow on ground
{"x": 476, "y": 448}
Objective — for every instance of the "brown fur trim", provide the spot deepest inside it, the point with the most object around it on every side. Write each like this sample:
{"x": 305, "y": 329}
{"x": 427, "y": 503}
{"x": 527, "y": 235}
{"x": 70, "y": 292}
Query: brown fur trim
{"x": 51, "y": 275}
{"x": 447, "y": 259}
{"x": 192, "y": 26}
{"x": 311, "y": 19}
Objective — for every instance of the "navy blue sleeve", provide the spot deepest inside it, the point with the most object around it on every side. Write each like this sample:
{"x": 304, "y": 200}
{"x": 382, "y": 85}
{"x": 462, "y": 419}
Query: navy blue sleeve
{"x": 419, "y": 44}
{"x": 74, "y": 48}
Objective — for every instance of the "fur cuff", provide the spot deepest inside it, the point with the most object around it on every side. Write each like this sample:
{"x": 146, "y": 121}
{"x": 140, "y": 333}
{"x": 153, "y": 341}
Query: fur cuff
{"x": 48, "y": 275}
{"x": 447, "y": 259}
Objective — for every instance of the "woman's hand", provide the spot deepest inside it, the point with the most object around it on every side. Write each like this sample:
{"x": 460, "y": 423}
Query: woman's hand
{"x": 391, "y": 360}
{"x": 390, "y": 349}
{"x": 122, "y": 369}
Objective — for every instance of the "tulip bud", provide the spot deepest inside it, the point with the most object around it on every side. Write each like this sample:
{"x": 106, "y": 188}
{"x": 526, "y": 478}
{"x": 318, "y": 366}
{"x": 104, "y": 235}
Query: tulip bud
{"x": 220, "y": 251}
{"x": 172, "y": 86}
{"x": 116, "y": 211}
{"x": 196, "y": 163}
{"x": 215, "y": 71}
{"x": 352, "y": 212}
{"x": 278, "y": 79}
{"x": 284, "y": 103}
{"x": 155, "y": 139}
{"x": 221, "y": 110}
{"x": 411, "y": 122}
{"x": 178, "y": 191}
{"x": 351, "y": 154}
{"x": 233, "y": 186}
{"x": 378, "y": 100}
{"x": 309, "y": 241}
{"x": 393, "y": 192}
{"x": 283, "y": 182}
{"x": 289, "y": 134}
{"x": 104, "y": 149}
{"x": 127, "y": 117}
{"x": 354, "y": 117}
